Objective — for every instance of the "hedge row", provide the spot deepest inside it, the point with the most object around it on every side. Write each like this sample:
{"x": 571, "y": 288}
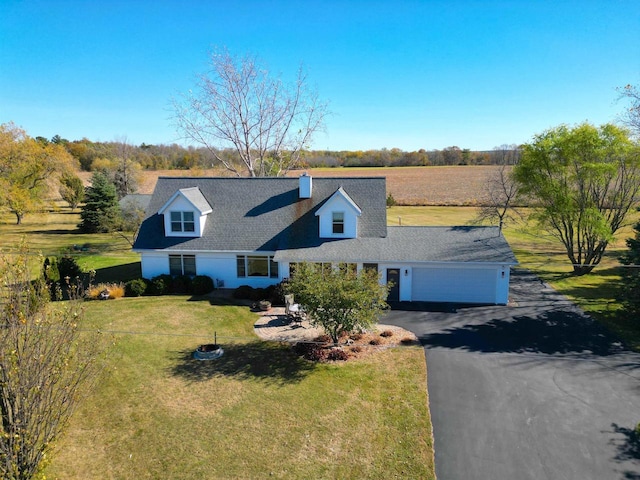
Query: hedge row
{"x": 273, "y": 293}
{"x": 166, "y": 284}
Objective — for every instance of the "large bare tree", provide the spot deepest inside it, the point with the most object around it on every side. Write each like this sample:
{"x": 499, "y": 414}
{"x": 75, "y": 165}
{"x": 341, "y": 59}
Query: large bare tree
{"x": 631, "y": 114}
{"x": 45, "y": 366}
{"x": 501, "y": 190}
{"x": 237, "y": 105}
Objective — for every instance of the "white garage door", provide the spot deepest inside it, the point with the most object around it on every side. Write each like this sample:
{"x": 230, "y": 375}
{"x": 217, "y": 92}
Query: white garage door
{"x": 463, "y": 285}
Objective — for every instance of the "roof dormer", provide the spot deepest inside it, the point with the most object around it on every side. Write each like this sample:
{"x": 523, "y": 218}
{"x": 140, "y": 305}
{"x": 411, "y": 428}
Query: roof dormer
{"x": 338, "y": 217}
{"x": 185, "y": 213}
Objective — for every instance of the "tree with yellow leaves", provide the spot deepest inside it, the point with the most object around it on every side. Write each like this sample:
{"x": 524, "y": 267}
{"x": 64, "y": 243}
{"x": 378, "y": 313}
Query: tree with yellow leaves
{"x": 29, "y": 170}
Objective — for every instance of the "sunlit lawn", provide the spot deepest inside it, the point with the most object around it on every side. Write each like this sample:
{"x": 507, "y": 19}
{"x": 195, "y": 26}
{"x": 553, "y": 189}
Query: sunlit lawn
{"x": 55, "y": 232}
{"x": 257, "y": 412}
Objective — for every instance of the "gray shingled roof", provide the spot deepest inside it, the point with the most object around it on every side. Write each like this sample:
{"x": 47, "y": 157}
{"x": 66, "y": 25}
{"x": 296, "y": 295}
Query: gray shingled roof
{"x": 412, "y": 244}
{"x": 261, "y": 214}
{"x": 195, "y": 197}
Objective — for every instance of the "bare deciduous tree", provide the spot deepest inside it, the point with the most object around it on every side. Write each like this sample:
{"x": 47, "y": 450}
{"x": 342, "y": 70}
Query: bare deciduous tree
{"x": 238, "y": 105}
{"x": 631, "y": 115}
{"x": 44, "y": 367}
{"x": 500, "y": 190}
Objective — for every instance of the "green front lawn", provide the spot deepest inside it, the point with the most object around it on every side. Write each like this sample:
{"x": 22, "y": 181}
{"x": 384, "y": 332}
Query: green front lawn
{"x": 257, "y": 412}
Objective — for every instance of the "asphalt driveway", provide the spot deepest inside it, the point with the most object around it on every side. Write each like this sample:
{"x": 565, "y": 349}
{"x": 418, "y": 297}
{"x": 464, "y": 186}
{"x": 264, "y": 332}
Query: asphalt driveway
{"x": 534, "y": 390}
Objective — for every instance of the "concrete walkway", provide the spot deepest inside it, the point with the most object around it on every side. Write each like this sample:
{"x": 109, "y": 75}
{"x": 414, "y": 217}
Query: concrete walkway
{"x": 535, "y": 390}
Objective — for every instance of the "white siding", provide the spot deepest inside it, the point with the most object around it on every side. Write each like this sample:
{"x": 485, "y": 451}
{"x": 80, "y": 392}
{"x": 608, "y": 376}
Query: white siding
{"x": 218, "y": 266}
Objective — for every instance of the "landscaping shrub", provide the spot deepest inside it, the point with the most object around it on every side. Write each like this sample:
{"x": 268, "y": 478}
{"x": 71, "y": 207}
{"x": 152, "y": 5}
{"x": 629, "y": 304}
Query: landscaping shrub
{"x": 258, "y": 294}
{"x": 407, "y": 341}
{"x": 278, "y": 292}
{"x": 202, "y": 285}
{"x": 135, "y": 288}
{"x": 243, "y": 292}
{"x": 322, "y": 339}
{"x": 375, "y": 341}
{"x": 113, "y": 290}
{"x": 311, "y": 351}
{"x": 337, "y": 354}
{"x": 68, "y": 267}
{"x": 391, "y": 202}
{"x": 356, "y": 349}
{"x": 159, "y": 285}
{"x": 356, "y": 336}
{"x": 386, "y": 333}
{"x": 181, "y": 284}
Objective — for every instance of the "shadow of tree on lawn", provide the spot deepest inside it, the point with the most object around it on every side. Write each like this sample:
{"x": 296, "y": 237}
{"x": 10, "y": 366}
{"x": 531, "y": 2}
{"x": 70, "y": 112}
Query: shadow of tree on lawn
{"x": 268, "y": 361}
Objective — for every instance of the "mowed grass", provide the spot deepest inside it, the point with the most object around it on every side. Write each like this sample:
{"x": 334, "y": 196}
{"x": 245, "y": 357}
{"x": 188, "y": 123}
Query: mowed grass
{"x": 257, "y": 412}
{"x": 55, "y": 232}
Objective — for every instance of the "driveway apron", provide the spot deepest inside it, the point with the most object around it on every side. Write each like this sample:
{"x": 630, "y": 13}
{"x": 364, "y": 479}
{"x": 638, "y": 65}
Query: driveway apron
{"x": 533, "y": 390}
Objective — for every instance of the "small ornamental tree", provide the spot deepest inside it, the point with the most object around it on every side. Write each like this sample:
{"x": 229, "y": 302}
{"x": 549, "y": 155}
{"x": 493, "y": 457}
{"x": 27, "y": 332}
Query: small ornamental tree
{"x": 46, "y": 365}
{"x": 338, "y": 300}
{"x": 101, "y": 212}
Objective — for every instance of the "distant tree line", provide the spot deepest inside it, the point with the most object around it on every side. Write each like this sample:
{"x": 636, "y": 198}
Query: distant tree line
{"x": 96, "y": 156}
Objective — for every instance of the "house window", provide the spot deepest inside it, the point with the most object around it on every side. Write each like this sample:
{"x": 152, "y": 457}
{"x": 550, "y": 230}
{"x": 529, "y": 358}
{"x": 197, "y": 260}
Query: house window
{"x": 324, "y": 268}
{"x": 182, "y": 265}
{"x": 338, "y": 222}
{"x": 351, "y": 268}
{"x": 256, "y": 266}
{"x": 370, "y": 266}
{"x": 182, "y": 222}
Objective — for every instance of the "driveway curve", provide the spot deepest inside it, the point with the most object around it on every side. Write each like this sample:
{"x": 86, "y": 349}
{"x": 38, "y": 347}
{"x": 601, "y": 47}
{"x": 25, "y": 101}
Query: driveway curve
{"x": 533, "y": 390}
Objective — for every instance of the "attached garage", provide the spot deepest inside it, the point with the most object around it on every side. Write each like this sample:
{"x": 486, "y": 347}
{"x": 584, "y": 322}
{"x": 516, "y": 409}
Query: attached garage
{"x": 455, "y": 284}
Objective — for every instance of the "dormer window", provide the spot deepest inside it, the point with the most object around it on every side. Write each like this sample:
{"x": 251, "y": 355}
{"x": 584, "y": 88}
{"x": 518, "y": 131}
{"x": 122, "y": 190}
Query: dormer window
{"x": 182, "y": 222}
{"x": 185, "y": 213}
{"x": 338, "y": 216}
{"x": 338, "y": 222}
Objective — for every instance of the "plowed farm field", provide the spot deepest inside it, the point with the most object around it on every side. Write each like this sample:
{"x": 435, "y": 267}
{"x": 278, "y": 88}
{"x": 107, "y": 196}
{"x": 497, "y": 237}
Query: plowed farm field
{"x": 458, "y": 185}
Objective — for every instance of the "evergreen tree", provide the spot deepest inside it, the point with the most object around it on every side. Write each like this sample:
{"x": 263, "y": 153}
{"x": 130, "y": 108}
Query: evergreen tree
{"x": 101, "y": 211}
{"x": 631, "y": 275}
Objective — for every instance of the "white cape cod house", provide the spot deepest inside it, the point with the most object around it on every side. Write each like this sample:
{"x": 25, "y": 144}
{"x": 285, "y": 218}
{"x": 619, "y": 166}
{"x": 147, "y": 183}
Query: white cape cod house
{"x": 252, "y": 231}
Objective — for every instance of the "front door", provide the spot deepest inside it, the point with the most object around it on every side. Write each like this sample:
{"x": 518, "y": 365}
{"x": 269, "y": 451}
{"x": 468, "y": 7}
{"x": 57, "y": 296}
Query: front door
{"x": 393, "y": 280}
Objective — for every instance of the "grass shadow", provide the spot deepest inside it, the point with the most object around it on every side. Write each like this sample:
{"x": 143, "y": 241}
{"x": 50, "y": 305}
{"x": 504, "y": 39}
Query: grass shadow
{"x": 266, "y": 361}
{"x": 119, "y": 273}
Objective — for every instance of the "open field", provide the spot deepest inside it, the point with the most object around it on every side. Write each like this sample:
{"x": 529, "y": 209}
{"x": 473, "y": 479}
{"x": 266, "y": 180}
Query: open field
{"x": 459, "y": 185}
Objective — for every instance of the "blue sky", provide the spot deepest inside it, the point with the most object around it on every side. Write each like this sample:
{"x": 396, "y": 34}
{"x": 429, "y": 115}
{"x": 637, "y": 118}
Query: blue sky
{"x": 398, "y": 74}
